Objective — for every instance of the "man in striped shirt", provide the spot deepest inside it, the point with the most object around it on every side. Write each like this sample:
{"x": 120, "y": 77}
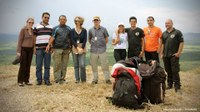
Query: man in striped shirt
{"x": 43, "y": 32}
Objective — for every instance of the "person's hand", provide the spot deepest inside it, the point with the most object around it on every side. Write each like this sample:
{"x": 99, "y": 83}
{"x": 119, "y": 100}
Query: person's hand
{"x": 80, "y": 50}
{"x": 18, "y": 54}
{"x": 47, "y": 48}
{"x": 158, "y": 51}
{"x": 141, "y": 54}
{"x": 34, "y": 50}
{"x": 177, "y": 55}
{"x": 161, "y": 55}
{"x": 117, "y": 40}
{"x": 52, "y": 50}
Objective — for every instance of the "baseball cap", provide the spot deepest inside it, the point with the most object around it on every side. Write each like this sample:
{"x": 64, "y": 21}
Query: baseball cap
{"x": 120, "y": 24}
{"x": 96, "y": 17}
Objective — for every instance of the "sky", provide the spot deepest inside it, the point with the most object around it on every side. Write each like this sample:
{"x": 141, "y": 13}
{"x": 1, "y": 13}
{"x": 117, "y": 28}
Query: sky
{"x": 184, "y": 13}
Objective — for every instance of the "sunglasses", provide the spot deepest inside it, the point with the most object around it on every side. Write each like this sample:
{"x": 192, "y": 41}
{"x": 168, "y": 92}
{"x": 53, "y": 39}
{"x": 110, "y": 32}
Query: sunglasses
{"x": 46, "y": 17}
{"x": 31, "y": 22}
{"x": 76, "y": 21}
{"x": 95, "y": 20}
{"x": 121, "y": 26}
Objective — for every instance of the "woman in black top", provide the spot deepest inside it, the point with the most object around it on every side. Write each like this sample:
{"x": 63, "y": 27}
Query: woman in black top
{"x": 79, "y": 38}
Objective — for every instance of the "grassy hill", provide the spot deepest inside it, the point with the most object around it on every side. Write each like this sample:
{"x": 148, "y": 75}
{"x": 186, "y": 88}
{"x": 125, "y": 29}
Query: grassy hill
{"x": 85, "y": 97}
{"x": 190, "y": 57}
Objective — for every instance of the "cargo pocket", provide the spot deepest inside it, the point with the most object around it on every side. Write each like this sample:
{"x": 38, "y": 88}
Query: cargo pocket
{"x": 175, "y": 64}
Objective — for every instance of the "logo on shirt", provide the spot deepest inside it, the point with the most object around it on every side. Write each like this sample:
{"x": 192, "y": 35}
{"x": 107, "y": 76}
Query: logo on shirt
{"x": 137, "y": 33}
{"x": 121, "y": 41}
{"x": 172, "y": 36}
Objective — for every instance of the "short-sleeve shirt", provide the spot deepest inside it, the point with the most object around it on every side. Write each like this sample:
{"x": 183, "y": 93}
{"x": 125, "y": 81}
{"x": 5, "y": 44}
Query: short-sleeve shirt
{"x": 98, "y": 39}
{"x": 171, "y": 41}
{"x": 43, "y": 34}
{"x": 134, "y": 39}
{"x": 152, "y": 36}
{"x": 61, "y": 35}
{"x": 123, "y": 41}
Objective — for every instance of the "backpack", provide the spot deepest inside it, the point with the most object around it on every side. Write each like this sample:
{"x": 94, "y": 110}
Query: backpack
{"x": 147, "y": 69}
{"x": 131, "y": 62}
{"x": 153, "y": 84}
{"x": 125, "y": 92}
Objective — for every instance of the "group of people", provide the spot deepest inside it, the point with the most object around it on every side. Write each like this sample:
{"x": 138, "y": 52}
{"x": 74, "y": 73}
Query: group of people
{"x": 44, "y": 40}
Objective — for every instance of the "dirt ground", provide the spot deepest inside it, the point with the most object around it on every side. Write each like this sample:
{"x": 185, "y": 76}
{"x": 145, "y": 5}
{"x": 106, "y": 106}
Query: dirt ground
{"x": 85, "y": 97}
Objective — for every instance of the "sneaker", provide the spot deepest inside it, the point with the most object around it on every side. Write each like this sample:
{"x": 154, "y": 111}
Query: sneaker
{"x": 62, "y": 82}
{"x": 83, "y": 81}
{"x": 39, "y": 83}
{"x": 94, "y": 82}
{"x": 77, "y": 82}
{"x": 21, "y": 84}
{"x": 28, "y": 84}
{"x": 48, "y": 83}
{"x": 178, "y": 90}
{"x": 108, "y": 82}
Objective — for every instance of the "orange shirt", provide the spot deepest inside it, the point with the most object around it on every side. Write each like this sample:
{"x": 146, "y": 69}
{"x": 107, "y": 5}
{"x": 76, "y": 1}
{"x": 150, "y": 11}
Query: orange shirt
{"x": 152, "y": 36}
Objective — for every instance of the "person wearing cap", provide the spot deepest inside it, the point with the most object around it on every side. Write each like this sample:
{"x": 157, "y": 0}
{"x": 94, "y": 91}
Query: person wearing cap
{"x": 98, "y": 38}
{"x": 135, "y": 39}
{"x": 120, "y": 43}
{"x": 152, "y": 40}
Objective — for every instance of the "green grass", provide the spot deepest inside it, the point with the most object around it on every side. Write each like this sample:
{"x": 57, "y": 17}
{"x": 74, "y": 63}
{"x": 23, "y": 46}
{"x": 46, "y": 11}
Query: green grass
{"x": 190, "y": 58}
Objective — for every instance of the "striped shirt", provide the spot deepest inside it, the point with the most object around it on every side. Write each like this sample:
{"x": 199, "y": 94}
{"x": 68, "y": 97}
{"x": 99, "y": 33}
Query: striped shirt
{"x": 43, "y": 34}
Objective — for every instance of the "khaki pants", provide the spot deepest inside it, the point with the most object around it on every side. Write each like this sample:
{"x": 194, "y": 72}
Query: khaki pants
{"x": 60, "y": 58}
{"x": 94, "y": 57}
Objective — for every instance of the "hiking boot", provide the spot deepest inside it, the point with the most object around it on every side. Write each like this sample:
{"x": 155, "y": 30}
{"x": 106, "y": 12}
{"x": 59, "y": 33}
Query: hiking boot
{"x": 94, "y": 82}
{"x": 108, "y": 82}
{"x": 28, "y": 84}
{"x": 21, "y": 84}
{"x": 83, "y": 81}
{"x": 63, "y": 82}
{"x": 48, "y": 83}
{"x": 77, "y": 82}
{"x": 39, "y": 83}
{"x": 178, "y": 90}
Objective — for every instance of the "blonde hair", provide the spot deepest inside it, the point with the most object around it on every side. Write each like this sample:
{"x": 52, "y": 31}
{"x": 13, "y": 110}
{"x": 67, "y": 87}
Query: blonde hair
{"x": 29, "y": 29}
{"x": 81, "y": 19}
{"x": 122, "y": 31}
{"x": 30, "y": 18}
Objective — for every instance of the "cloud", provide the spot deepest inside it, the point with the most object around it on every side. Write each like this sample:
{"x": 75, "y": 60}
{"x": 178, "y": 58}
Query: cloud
{"x": 14, "y": 13}
{"x": 186, "y": 20}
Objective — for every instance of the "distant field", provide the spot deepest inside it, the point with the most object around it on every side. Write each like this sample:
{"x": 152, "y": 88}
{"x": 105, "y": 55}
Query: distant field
{"x": 190, "y": 58}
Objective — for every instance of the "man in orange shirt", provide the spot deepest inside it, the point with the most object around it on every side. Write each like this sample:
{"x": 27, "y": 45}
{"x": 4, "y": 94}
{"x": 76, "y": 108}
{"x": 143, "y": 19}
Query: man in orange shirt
{"x": 152, "y": 40}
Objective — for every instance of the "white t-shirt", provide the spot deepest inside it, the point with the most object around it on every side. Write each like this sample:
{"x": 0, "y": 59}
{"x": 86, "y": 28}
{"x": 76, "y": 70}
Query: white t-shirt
{"x": 123, "y": 41}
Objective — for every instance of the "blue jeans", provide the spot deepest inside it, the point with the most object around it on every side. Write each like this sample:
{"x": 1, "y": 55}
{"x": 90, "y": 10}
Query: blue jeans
{"x": 79, "y": 67}
{"x": 40, "y": 56}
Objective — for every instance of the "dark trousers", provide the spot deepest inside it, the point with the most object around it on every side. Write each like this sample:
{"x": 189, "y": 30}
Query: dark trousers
{"x": 172, "y": 68}
{"x": 25, "y": 63}
{"x": 152, "y": 56}
{"x": 119, "y": 54}
{"x": 133, "y": 53}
